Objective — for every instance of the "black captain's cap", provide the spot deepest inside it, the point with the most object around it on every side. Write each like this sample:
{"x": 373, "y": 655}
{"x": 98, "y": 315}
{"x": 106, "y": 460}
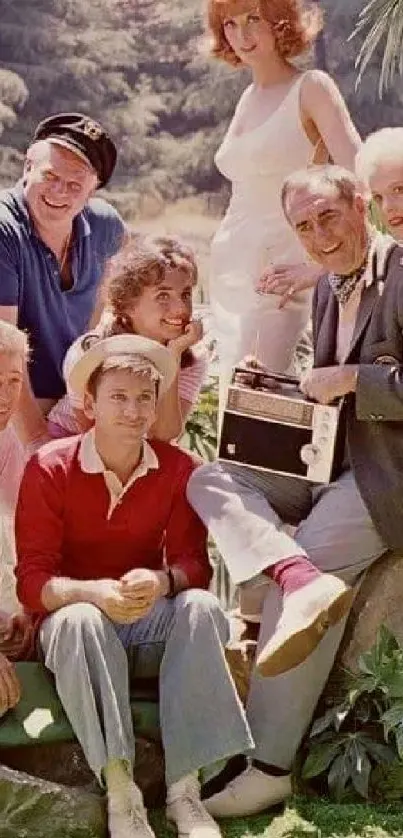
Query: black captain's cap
{"x": 83, "y": 135}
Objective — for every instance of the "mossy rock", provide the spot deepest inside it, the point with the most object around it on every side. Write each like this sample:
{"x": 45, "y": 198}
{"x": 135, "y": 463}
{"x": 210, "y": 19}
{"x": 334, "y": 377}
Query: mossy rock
{"x": 34, "y": 808}
{"x": 36, "y": 738}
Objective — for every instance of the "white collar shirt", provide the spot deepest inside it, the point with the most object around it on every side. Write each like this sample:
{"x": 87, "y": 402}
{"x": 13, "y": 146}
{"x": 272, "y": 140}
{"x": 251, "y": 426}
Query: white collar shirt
{"x": 380, "y": 244}
{"x": 91, "y": 463}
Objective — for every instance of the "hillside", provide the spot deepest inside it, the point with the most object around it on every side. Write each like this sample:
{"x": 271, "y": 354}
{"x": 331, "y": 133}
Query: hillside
{"x": 139, "y": 66}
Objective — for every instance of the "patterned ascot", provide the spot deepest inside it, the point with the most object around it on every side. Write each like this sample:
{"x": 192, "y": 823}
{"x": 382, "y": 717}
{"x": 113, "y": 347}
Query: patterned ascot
{"x": 343, "y": 286}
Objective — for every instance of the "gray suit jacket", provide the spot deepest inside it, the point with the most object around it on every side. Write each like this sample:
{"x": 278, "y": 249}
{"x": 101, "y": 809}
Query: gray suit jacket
{"x": 374, "y": 414}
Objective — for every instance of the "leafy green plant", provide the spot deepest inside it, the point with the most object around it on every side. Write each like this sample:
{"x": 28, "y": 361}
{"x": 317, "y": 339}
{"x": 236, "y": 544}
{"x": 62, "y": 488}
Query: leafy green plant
{"x": 365, "y": 729}
{"x": 382, "y": 21}
{"x": 200, "y": 437}
{"x": 348, "y": 758}
{"x": 201, "y": 428}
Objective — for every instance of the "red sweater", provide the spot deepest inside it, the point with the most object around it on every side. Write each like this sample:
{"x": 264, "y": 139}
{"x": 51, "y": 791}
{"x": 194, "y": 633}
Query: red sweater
{"x": 62, "y": 527}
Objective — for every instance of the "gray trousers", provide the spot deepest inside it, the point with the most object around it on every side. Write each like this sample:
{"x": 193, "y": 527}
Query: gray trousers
{"x": 182, "y": 640}
{"x": 245, "y": 512}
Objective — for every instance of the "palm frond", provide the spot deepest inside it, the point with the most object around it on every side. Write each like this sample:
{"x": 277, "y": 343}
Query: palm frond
{"x": 382, "y": 21}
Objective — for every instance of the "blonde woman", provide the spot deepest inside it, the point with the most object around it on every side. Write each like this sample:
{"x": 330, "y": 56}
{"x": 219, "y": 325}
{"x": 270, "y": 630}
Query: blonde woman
{"x": 379, "y": 164}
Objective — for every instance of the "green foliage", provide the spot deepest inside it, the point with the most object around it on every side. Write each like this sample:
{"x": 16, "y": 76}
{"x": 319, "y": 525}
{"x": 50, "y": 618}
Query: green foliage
{"x": 201, "y": 428}
{"x": 368, "y": 111}
{"x": 136, "y": 66}
{"x": 382, "y": 21}
{"x": 347, "y": 758}
{"x": 13, "y": 95}
{"x": 307, "y": 817}
{"x": 142, "y": 67}
{"x": 359, "y": 741}
{"x": 13, "y": 91}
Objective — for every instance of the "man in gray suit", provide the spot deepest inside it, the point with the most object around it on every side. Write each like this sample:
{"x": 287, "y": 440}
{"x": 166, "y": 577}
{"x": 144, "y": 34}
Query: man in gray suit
{"x": 343, "y": 527}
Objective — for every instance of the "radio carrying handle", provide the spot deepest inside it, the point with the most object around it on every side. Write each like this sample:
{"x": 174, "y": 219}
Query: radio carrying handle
{"x": 266, "y": 373}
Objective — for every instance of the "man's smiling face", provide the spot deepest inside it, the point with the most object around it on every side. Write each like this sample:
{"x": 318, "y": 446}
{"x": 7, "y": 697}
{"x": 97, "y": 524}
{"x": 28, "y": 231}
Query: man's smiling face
{"x": 332, "y": 230}
{"x": 57, "y": 184}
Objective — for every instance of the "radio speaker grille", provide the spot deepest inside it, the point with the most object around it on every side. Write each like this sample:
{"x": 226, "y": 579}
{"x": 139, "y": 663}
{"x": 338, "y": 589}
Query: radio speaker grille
{"x": 264, "y": 405}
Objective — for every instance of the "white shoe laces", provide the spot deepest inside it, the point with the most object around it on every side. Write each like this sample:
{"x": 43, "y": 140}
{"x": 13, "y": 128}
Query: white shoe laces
{"x": 130, "y": 810}
{"x": 188, "y": 796}
{"x": 197, "y": 811}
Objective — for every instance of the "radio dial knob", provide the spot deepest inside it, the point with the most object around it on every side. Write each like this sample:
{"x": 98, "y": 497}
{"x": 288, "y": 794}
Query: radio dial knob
{"x": 310, "y": 454}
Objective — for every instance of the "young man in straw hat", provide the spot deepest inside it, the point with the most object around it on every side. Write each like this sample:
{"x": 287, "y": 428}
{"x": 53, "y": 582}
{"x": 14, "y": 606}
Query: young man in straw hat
{"x": 112, "y": 557}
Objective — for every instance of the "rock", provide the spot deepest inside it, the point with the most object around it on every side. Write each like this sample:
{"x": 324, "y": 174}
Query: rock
{"x": 61, "y": 762}
{"x": 34, "y": 808}
{"x": 378, "y": 601}
{"x": 64, "y": 763}
{"x": 149, "y": 771}
{"x": 241, "y": 652}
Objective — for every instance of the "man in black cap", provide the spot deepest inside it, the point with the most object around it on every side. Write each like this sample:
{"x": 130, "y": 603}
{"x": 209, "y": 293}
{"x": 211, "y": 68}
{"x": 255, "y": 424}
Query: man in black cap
{"x": 55, "y": 240}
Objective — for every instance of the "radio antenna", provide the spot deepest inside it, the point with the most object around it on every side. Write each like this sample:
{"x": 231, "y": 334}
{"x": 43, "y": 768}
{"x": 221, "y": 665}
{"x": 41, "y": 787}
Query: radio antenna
{"x": 255, "y": 353}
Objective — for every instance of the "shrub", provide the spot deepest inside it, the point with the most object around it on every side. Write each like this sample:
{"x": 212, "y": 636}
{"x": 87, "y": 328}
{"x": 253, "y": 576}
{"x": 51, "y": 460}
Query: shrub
{"x": 357, "y": 745}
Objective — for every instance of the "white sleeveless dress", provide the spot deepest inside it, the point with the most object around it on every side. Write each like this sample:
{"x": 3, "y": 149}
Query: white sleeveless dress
{"x": 254, "y": 234}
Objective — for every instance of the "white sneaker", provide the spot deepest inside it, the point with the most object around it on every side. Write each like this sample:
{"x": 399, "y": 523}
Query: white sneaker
{"x": 185, "y": 809}
{"x": 127, "y": 816}
{"x": 251, "y": 792}
{"x": 307, "y": 614}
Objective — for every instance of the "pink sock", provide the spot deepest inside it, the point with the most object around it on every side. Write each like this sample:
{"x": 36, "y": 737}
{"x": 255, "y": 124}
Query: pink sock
{"x": 293, "y": 573}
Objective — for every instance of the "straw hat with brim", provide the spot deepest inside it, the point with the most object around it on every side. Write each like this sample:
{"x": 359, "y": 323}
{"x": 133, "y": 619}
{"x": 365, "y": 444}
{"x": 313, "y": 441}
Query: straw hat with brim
{"x": 90, "y": 351}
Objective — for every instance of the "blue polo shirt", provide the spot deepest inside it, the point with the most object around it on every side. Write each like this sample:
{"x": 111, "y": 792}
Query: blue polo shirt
{"x": 30, "y": 279}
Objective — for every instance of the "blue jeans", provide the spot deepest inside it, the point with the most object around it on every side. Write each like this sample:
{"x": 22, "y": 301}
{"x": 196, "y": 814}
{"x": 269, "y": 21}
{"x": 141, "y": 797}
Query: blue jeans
{"x": 182, "y": 640}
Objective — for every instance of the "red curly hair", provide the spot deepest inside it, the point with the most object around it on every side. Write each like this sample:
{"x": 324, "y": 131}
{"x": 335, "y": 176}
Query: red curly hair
{"x": 294, "y": 26}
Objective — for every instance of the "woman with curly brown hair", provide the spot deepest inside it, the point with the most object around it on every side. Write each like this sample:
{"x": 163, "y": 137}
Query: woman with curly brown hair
{"x": 285, "y": 120}
{"x": 149, "y": 293}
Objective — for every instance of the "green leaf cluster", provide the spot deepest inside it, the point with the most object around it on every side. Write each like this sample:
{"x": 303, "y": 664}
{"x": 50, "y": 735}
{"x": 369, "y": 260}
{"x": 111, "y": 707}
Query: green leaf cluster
{"x": 201, "y": 428}
{"x": 138, "y": 67}
{"x": 142, "y": 67}
{"x": 382, "y": 23}
{"x": 357, "y": 740}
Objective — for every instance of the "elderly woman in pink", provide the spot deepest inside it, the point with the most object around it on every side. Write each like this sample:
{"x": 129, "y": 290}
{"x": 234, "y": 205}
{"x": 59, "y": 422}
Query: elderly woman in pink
{"x": 16, "y": 635}
{"x": 13, "y": 353}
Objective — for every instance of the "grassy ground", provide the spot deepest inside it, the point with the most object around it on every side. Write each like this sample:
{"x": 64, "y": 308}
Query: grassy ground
{"x": 304, "y": 818}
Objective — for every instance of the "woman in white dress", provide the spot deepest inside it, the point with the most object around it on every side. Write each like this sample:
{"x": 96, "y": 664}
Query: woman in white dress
{"x": 285, "y": 120}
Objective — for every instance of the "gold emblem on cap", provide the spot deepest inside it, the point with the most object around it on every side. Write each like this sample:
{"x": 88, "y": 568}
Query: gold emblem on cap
{"x": 92, "y": 129}
{"x": 88, "y": 340}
